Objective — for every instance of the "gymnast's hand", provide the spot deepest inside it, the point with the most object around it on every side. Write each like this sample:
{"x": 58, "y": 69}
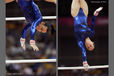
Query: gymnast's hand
{"x": 97, "y": 11}
{"x": 85, "y": 65}
{"x": 22, "y": 42}
{"x": 33, "y": 45}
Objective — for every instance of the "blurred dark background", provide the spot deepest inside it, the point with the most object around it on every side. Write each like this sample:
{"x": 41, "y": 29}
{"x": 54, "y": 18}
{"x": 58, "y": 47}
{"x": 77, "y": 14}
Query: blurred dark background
{"x": 34, "y": 69}
{"x": 69, "y": 53}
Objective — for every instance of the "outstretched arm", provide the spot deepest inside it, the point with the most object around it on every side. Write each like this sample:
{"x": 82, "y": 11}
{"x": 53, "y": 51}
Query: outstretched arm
{"x": 96, "y": 13}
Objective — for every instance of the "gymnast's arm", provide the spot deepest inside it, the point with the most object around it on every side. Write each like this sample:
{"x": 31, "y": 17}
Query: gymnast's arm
{"x": 82, "y": 47}
{"x": 93, "y": 22}
{"x": 96, "y": 13}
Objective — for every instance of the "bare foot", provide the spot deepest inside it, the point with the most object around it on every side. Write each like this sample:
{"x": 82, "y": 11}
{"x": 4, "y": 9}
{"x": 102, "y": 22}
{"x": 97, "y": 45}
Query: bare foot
{"x": 22, "y": 42}
{"x": 85, "y": 65}
{"x": 33, "y": 45}
{"x": 97, "y": 11}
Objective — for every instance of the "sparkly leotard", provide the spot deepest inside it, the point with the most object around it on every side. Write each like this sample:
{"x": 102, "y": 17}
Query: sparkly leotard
{"x": 32, "y": 15}
{"x": 82, "y": 31}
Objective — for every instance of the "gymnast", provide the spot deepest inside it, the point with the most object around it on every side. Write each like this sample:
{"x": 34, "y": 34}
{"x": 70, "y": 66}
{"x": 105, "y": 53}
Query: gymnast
{"x": 34, "y": 19}
{"x": 83, "y": 33}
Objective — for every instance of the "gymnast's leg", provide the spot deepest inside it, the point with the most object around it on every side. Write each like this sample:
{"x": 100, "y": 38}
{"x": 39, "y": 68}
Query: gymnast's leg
{"x": 32, "y": 34}
{"x": 24, "y": 32}
{"x": 84, "y": 6}
{"x": 75, "y": 6}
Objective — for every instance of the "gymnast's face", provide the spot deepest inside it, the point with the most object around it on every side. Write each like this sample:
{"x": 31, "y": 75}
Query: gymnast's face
{"x": 41, "y": 27}
{"x": 89, "y": 45}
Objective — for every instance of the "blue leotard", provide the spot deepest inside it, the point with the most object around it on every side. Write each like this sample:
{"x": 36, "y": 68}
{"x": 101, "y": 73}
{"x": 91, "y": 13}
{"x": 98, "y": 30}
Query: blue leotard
{"x": 32, "y": 15}
{"x": 82, "y": 31}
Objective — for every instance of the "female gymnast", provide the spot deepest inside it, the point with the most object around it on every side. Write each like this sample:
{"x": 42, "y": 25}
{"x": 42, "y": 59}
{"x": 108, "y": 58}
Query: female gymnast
{"x": 79, "y": 11}
{"x": 34, "y": 19}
